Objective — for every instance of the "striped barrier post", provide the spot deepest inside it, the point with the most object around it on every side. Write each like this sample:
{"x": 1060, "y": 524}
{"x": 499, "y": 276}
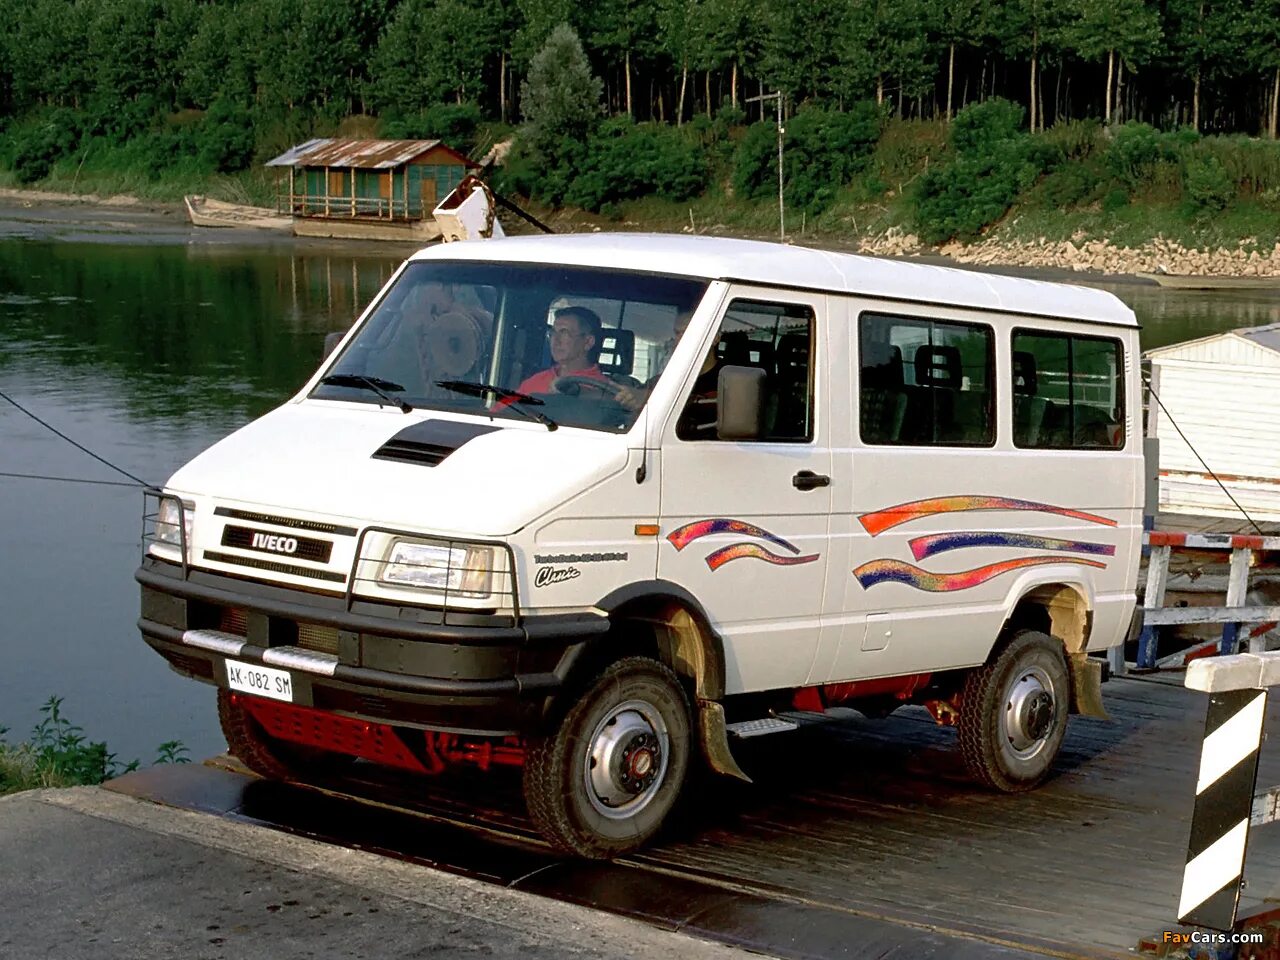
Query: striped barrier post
{"x": 1225, "y": 806}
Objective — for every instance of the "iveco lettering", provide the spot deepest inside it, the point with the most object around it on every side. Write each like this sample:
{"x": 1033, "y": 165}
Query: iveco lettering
{"x": 601, "y": 506}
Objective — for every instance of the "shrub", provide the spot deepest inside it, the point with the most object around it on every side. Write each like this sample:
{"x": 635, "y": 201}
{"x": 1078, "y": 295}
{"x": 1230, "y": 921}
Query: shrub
{"x": 1116, "y": 199}
{"x": 625, "y": 161}
{"x": 454, "y": 123}
{"x": 1206, "y": 185}
{"x": 1070, "y": 185}
{"x": 980, "y": 125}
{"x": 994, "y": 161}
{"x": 1141, "y": 157}
{"x": 38, "y": 145}
{"x": 1072, "y": 140}
{"x": 224, "y": 138}
{"x": 822, "y": 151}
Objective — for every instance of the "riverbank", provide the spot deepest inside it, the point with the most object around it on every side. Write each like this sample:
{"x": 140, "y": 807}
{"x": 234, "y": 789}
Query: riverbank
{"x": 59, "y": 212}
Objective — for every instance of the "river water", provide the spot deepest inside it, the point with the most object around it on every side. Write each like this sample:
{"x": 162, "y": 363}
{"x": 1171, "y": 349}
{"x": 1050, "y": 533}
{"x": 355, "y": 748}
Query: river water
{"x": 147, "y": 352}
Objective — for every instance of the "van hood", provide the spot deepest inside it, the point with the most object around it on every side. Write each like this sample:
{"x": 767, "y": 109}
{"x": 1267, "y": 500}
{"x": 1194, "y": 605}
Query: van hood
{"x": 422, "y": 471}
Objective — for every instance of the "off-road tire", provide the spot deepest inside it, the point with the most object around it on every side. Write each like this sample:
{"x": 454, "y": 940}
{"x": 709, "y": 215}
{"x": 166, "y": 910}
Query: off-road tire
{"x": 267, "y": 756}
{"x": 985, "y": 744}
{"x": 555, "y": 790}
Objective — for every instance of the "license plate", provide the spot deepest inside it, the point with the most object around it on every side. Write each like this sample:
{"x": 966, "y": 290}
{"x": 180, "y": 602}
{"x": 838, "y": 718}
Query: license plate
{"x": 263, "y": 681}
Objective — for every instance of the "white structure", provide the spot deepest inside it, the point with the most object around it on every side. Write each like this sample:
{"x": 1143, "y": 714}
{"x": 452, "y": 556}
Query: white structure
{"x": 1224, "y": 393}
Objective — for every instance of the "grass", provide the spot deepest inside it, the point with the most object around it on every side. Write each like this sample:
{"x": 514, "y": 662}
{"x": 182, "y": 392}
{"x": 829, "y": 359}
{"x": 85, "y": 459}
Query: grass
{"x": 1245, "y": 223}
{"x": 58, "y": 754}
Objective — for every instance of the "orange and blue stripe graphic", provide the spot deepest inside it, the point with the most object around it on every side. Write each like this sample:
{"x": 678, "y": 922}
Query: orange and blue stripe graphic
{"x": 882, "y": 520}
{"x": 685, "y": 535}
{"x": 896, "y": 571}
{"x": 887, "y": 570}
{"x": 922, "y": 547}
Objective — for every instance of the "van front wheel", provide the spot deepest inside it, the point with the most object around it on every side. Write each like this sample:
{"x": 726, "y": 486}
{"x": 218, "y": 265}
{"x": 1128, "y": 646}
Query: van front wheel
{"x": 602, "y": 783}
{"x": 1013, "y": 713}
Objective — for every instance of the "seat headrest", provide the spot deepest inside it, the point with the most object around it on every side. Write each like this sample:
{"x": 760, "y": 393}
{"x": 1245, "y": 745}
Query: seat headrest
{"x": 938, "y": 367}
{"x": 617, "y": 351}
{"x": 882, "y": 366}
{"x": 739, "y": 350}
{"x": 1024, "y": 373}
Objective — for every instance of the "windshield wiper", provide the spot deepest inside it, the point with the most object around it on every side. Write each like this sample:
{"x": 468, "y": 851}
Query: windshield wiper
{"x": 502, "y": 393}
{"x": 376, "y": 384}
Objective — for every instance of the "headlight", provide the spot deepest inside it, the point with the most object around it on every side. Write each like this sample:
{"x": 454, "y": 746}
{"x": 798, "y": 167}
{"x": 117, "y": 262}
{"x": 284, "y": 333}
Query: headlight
{"x": 171, "y": 523}
{"x": 462, "y": 569}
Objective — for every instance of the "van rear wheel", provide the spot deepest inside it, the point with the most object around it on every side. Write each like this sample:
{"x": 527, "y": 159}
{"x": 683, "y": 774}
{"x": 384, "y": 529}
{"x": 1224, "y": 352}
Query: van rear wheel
{"x": 603, "y": 782}
{"x": 1013, "y": 714}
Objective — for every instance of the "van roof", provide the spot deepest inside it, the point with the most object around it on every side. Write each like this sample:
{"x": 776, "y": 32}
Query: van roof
{"x": 775, "y": 264}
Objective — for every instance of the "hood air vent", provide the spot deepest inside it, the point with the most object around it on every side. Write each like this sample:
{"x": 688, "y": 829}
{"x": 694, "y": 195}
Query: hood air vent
{"x": 429, "y": 442}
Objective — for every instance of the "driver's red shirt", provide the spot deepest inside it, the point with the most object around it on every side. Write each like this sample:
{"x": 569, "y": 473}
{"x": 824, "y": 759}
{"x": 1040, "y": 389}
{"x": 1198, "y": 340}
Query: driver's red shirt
{"x": 541, "y": 381}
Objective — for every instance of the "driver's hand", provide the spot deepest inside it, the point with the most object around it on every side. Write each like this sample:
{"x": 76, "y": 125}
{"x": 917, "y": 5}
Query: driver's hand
{"x": 631, "y": 398}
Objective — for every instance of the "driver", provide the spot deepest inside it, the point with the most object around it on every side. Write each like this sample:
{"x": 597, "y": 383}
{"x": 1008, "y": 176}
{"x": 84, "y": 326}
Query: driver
{"x": 575, "y": 348}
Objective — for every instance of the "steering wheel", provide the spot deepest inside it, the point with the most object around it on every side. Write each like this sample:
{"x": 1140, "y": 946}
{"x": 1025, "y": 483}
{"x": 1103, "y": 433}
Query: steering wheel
{"x": 572, "y": 384}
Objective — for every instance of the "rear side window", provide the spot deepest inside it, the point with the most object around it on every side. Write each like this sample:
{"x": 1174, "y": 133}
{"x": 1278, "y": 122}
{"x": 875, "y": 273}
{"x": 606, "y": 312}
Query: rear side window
{"x": 1068, "y": 391}
{"x": 925, "y": 382}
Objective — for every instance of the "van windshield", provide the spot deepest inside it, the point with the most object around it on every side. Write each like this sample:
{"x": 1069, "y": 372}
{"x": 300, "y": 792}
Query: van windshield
{"x": 587, "y": 343}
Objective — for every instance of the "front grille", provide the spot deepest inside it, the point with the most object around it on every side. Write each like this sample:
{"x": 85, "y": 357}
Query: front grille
{"x": 291, "y": 569}
{"x": 234, "y": 620}
{"x": 314, "y": 637}
{"x": 304, "y": 548}
{"x": 314, "y": 526}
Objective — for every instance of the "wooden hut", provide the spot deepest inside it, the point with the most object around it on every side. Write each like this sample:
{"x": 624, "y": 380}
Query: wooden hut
{"x": 1223, "y": 392}
{"x": 371, "y": 189}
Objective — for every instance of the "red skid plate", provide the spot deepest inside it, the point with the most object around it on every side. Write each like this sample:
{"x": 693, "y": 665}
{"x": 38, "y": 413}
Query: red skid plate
{"x": 309, "y": 727}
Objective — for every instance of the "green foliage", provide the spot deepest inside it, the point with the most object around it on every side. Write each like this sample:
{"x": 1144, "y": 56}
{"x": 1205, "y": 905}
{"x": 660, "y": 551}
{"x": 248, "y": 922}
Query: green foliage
{"x": 224, "y": 140}
{"x": 1070, "y": 185}
{"x": 626, "y": 161}
{"x": 980, "y": 125}
{"x": 1116, "y": 199}
{"x": 59, "y": 754}
{"x": 822, "y": 151}
{"x": 454, "y": 123}
{"x": 1142, "y": 157}
{"x": 560, "y": 98}
{"x": 1206, "y": 184}
{"x": 38, "y": 144}
{"x": 993, "y": 163}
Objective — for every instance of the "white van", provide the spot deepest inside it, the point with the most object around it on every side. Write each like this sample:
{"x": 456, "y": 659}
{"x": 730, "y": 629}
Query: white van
{"x": 598, "y": 506}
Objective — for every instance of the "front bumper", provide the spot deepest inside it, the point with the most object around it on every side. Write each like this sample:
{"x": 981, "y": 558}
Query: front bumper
{"x": 465, "y": 673}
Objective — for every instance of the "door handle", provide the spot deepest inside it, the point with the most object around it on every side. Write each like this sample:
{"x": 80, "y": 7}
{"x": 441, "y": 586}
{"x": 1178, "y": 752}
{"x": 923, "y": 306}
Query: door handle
{"x": 808, "y": 480}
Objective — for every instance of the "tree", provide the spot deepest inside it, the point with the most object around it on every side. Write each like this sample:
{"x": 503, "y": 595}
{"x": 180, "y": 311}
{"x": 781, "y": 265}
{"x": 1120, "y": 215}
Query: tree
{"x": 961, "y": 24}
{"x": 1030, "y": 28}
{"x": 432, "y": 51}
{"x": 1127, "y": 30}
{"x": 1263, "y": 26}
{"x": 560, "y": 98}
{"x": 1204, "y": 38}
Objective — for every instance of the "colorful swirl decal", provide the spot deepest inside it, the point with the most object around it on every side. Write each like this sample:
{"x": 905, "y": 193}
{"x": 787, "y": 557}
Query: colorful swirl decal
{"x": 882, "y": 520}
{"x": 884, "y": 571}
{"x": 922, "y": 547}
{"x": 735, "y": 551}
{"x": 690, "y": 532}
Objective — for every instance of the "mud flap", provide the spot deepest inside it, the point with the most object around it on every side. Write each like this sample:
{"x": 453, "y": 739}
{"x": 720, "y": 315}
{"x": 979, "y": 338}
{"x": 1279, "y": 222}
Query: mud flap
{"x": 715, "y": 740}
{"x": 1086, "y": 686}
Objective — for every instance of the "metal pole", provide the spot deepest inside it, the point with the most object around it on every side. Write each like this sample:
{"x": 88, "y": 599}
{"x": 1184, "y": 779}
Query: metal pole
{"x": 782, "y": 217}
{"x": 782, "y": 214}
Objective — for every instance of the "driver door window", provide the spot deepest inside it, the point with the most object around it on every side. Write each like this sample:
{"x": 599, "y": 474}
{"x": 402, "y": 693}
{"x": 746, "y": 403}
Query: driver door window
{"x": 775, "y": 337}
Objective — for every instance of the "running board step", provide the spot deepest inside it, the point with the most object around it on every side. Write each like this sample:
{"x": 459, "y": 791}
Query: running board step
{"x": 761, "y": 727}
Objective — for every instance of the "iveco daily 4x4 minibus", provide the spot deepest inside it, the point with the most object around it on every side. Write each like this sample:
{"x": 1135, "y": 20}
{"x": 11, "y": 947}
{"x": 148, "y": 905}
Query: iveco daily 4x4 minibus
{"x": 599, "y": 506}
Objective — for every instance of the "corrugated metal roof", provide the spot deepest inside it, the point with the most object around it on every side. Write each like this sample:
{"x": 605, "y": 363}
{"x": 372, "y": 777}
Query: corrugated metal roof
{"x": 1211, "y": 347}
{"x": 1267, "y": 336}
{"x": 290, "y": 157}
{"x": 358, "y": 154}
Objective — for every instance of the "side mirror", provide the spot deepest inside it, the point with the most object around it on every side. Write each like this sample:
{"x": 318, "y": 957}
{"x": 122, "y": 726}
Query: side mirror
{"x": 331, "y": 341}
{"x": 740, "y": 403}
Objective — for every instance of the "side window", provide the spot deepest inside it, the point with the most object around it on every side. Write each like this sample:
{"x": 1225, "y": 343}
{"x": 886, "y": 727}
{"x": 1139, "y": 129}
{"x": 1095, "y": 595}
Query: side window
{"x": 776, "y": 337}
{"x": 1068, "y": 391}
{"x": 925, "y": 382}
